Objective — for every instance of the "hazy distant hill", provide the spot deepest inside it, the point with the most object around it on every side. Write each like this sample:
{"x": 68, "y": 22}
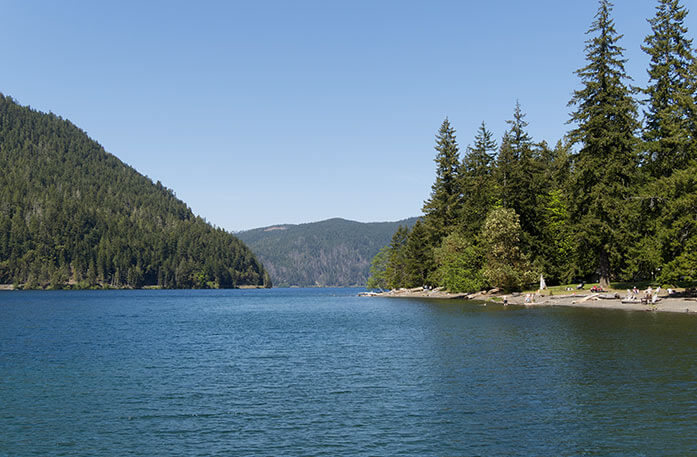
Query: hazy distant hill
{"x": 335, "y": 252}
{"x": 72, "y": 213}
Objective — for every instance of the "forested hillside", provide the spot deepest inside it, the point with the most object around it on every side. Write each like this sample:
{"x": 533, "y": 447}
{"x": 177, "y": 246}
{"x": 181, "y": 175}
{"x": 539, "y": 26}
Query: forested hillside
{"x": 73, "y": 214}
{"x": 615, "y": 200}
{"x": 335, "y": 252}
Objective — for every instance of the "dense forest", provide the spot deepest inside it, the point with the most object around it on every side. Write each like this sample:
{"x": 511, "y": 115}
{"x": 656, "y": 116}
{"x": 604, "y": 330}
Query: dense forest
{"x": 73, "y": 215}
{"x": 335, "y": 252}
{"x": 615, "y": 200}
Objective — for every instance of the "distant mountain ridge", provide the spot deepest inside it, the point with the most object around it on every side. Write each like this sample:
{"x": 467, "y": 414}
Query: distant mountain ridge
{"x": 334, "y": 252}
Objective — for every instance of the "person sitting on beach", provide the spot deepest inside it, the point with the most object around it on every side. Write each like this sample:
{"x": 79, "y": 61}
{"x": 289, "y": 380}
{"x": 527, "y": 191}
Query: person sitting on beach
{"x": 527, "y": 298}
{"x": 635, "y": 291}
{"x": 647, "y": 295}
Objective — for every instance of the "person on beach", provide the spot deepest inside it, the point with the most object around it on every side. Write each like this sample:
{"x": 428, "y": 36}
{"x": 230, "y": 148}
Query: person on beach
{"x": 505, "y": 300}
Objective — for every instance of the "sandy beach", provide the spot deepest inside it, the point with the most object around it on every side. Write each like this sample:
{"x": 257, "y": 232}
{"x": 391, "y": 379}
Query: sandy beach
{"x": 665, "y": 304}
{"x": 579, "y": 300}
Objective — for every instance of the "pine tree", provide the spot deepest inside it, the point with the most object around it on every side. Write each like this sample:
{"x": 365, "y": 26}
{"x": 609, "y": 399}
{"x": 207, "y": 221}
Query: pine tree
{"x": 555, "y": 249}
{"x": 605, "y": 165}
{"x": 513, "y": 162}
{"x": 442, "y": 208}
{"x": 505, "y": 172}
{"x": 669, "y": 140}
{"x": 668, "y": 228}
{"x": 418, "y": 255}
{"x": 395, "y": 272}
{"x": 519, "y": 173}
{"x": 477, "y": 181}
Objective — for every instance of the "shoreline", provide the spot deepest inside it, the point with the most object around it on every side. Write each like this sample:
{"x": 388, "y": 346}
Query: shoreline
{"x": 666, "y": 304}
{"x": 586, "y": 300}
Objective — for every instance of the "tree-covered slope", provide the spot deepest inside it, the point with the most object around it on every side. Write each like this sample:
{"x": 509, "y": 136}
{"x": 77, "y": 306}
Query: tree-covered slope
{"x": 71, "y": 212}
{"x": 335, "y": 252}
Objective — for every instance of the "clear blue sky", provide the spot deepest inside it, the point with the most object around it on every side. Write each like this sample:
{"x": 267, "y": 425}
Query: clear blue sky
{"x": 265, "y": 112}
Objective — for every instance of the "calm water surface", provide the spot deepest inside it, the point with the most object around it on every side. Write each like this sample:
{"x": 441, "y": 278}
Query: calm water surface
{"x": 323, "y": 372}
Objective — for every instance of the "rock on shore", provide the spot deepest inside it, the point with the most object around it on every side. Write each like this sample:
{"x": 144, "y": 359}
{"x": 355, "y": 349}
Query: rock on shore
{"x": 600, "y": 301}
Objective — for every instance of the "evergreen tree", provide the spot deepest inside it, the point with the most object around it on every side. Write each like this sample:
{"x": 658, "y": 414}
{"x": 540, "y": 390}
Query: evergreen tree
{"x": 677, "y": 236}
{"x": 605, "y": 165}
{"x": 515, "y": 168}
{"x": 667, "y": 232}
{"x": 418, "y": 255}
{"x": 520, "y": 177}
{"x": 669, "y": 139}
{"x": 554, "y": 254}
{"x": 477, "y": 181}
{"x": 555, "y": 257}
{"x": 395, "y": 272}
{"x": 442, "y": 208}
{"x": 505, "y": 172}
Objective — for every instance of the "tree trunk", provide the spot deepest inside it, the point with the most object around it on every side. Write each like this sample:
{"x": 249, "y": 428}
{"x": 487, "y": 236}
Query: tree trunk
{"x": 604, "y": 269}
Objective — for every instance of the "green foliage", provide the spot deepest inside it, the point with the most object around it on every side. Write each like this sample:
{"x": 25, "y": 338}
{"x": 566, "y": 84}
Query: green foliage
{"x": 378, "y": 270}
{"x": 677, "y": 229}
{"x": 72, "y": 213}
{"x": 459, "y": 264}
{"x": 669, "y": 135}
{"x": 556, "y": 256}
{"x": 396, "y": 270}
{"x": 418, "y": 257}
{"x": 505, "y": 265}
{"x": 668, "y": 232}
{"x": 478, "y": 184}
{"x": 612, "y": 207}
{"x": 605, "y": 166}
{"x": 442, "y": 207}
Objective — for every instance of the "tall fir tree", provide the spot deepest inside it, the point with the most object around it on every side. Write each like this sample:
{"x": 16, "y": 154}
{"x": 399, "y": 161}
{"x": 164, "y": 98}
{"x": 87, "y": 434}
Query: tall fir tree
{"x": 442, "y": 207}
{"x": 669, "y": 228}
{"x": 606, "y": 164}
{"x": 477, "y": 181}
{"x": 519, "y": 176}
{"x": 395, "y": 271}
{"x": 669, "y": 139}
{"x": 505, "y": 172}
{"x": 555, "y": 248}
{"x": 418, "y": 255}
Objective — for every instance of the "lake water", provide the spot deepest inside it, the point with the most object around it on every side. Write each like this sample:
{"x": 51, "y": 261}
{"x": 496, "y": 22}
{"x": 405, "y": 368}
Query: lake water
{"x": 323, "y": 372}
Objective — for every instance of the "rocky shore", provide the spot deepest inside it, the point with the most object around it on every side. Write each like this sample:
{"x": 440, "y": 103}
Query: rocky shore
{"x": 580, "y": 300}
{"x": 438, "y": 292}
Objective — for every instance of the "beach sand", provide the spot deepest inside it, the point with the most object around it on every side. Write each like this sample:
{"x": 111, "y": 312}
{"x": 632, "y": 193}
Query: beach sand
{"x": 665, "y": 304}
{"x": 579, "y": 300}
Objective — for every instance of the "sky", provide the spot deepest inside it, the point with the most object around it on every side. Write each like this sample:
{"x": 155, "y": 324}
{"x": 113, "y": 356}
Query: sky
{"x": 263, "y": 112}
